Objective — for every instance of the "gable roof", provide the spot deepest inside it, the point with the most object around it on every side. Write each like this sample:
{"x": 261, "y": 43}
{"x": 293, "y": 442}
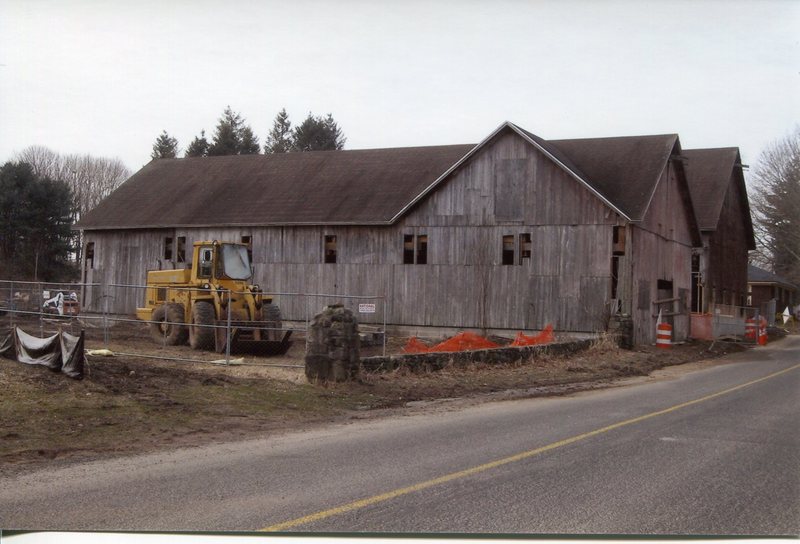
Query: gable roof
{"x": 709, "y": 173}
{"x": 360, "y": 187}
{"x": 759, "y": 275}
{"x": 368, "y": 186}
{"x": 624, "y": 169}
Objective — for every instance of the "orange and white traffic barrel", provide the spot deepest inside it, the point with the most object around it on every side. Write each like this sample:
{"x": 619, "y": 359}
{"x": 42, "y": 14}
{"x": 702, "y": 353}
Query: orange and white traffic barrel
{"x": 762, "y": 332}
{"x": 750, "y": 329}
{"x": 664, "y": 336}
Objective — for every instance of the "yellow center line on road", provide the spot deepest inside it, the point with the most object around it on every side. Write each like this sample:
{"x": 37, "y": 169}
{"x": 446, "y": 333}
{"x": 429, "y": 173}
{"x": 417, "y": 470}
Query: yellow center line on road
{"x": 504, "y": 461}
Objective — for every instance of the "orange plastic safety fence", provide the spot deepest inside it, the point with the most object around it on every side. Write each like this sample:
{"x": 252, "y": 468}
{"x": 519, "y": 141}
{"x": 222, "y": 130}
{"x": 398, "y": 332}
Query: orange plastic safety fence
{"x": 544, "y": 337}
{"x": 466, "y": 341}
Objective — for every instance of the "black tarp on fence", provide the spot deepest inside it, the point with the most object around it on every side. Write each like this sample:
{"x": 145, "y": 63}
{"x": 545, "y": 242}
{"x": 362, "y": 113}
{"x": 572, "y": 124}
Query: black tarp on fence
{"x": 61, "y": 352}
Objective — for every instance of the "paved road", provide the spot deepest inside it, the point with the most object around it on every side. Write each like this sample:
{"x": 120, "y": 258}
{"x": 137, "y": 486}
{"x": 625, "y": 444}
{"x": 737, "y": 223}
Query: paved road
{"x": 712, "y": 451}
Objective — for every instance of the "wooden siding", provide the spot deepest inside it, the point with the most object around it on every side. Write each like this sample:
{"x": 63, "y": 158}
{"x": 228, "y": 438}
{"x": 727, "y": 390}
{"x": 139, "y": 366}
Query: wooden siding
{"x": 662, "y": 250}
{"x": 509, "y": 188}
{"x": 726, "y": 265}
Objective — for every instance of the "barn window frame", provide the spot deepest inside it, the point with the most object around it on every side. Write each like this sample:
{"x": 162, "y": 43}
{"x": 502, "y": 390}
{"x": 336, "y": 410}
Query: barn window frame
{"x": 415, "y": 249}
{"x": 507, "y": 249}
{"x": 168, "y": 245}
{"x": 180, "y": 249}
{"x": 330, "y": 250}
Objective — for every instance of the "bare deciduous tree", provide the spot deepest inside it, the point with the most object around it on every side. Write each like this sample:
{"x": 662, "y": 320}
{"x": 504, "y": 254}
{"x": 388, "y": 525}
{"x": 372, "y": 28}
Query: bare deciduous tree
{"x": 775, "y": 198}
{"x": 90, "y": 178}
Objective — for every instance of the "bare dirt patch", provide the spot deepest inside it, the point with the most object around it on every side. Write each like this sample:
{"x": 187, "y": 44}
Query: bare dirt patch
{"x": 128, "y": 404}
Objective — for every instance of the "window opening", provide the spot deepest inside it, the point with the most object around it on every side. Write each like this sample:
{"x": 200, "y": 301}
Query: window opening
{"x": 697, "y": 287}
{"x": 168, "y": 248}
{"x": 89, "y": 259}
{"x": 619, "y": 240}
{"x": 181, "y": 249}
{"x": 524, "y": 247}
{"x": 248, "y": 241}
{"x": 330, "y": 248}
{"x": 614, "y": 276}
{"x": 508, "y": 249}
{"x": 408, "y": 249}
{"x": 422, "y": 249}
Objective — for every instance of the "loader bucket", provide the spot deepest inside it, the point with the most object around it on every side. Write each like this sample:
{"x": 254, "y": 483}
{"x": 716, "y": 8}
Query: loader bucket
{"x": 243, "y": 341}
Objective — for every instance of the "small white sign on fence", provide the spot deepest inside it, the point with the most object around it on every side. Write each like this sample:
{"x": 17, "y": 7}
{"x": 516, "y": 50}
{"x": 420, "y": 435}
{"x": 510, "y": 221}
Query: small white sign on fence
{"x": 366, "y": 308}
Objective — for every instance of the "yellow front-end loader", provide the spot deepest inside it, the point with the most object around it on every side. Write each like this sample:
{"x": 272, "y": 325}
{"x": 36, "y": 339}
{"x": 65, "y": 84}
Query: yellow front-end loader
{"x": 198, "y": 303}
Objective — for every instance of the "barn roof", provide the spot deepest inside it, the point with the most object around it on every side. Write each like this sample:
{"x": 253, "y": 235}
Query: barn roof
{"x": 368, "y": 186}
{"x": 358, "y": 187}
{"x": 709, "y": 172}
{"x": 625, "y": 170}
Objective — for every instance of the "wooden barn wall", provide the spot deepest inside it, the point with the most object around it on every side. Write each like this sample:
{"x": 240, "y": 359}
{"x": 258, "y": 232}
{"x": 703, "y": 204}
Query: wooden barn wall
{"x": 662, "y": 250}
{"x": 726, "y": 279}
{"x": 510, "y": 188}
{"x": 122, "y": 258}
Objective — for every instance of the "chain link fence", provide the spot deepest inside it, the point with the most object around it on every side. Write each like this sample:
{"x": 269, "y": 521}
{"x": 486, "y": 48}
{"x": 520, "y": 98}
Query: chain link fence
{"x": 107, "y": 314}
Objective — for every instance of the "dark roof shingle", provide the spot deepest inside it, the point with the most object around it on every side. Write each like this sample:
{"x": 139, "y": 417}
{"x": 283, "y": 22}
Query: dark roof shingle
{"x": 367, "y": 186}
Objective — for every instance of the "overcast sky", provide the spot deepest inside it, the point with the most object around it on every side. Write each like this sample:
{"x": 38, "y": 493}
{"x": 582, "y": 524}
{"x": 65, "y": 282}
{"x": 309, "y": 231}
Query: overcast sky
{"x": 106, "y": 77}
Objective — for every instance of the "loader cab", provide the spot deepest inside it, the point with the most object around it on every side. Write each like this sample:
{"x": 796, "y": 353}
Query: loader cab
{"x": 205, "y": 262}
{"x": 223, "y": 261}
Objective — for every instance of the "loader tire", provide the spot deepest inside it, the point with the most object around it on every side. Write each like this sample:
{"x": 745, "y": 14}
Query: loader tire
{"x": 272, "y": 315}
{"x": 202, "y": 337}
{"x": 169, "y": 326}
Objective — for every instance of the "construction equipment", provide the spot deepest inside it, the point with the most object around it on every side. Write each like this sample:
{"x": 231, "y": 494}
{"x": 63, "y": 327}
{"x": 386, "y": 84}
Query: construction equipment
{"x": 212, "y": 296}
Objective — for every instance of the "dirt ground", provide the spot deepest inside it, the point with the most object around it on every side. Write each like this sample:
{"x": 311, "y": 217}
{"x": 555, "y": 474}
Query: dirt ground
{"x": 128, "y": 404}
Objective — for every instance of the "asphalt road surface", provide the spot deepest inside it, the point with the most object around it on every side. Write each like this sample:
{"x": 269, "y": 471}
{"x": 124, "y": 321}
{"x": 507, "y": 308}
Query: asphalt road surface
{"x": 698, "y": 450}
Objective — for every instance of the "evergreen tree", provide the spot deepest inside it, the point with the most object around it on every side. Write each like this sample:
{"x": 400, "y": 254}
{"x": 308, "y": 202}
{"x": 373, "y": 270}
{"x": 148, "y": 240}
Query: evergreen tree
{"x": 279, "y": 139}
{"x": 318, "y": 134}
{"x": 166, "y": 147}
{"x": 249, "y": 142}
{"x": 198, "y": 147}
{"x": 227, "y": 137}
{"x": 36, "y": 214}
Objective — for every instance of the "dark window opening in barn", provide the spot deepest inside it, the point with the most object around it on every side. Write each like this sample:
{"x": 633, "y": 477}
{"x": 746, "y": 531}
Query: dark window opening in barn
{"x": 168, "y": 248}
{"x": 619, "y": 241}
{"x": 614, "y": 276}
{"x": 330, "y": 249}
{"x": 665, "y": 285}
{"x": 524, "y": 247}
{"x": 508, "y": 249}
{"x": 181, "y": 249}
{"x": 422, "y": 249}
{"x": 697, "y": 287}
{"x": 89, "y": 259}
{"x": 408, "y": 249}
{"x": 248, "y": 241}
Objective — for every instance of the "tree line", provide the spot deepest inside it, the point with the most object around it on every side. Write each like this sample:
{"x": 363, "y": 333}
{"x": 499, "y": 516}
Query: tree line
{"x": 233, "y": 136}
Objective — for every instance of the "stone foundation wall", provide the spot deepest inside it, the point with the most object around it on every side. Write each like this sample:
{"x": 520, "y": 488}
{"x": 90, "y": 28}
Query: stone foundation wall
{"x": 497, "y": 356}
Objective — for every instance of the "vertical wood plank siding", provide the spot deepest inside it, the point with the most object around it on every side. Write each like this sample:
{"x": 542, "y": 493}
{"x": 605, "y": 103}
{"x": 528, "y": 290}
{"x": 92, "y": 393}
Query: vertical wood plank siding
{"x": 509, "y": 188}
{"x": 662, "y": 247}
{"x": 727, "y": 259}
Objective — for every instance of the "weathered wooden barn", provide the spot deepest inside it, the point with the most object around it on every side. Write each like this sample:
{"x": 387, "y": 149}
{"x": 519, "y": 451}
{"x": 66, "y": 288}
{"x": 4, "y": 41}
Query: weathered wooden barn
{"x": 719, "y": 196}
{"x": 512, "y": 233}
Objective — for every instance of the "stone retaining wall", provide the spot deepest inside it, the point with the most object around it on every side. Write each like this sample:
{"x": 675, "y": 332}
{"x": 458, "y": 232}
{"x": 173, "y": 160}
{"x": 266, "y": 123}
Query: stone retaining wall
{"x": 423, "y": 362}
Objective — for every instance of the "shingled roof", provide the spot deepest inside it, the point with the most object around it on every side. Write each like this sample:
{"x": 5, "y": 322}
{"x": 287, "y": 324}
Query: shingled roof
{"x": 358, "y": 187}
{"x": 369, "y": 186}
{"x": 625, "y": 170}
{"x": 709, "y": 173}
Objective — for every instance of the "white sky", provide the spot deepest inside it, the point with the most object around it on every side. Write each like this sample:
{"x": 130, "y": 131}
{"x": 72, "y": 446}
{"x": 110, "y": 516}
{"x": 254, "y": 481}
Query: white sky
{"x": 106, "y": 77}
